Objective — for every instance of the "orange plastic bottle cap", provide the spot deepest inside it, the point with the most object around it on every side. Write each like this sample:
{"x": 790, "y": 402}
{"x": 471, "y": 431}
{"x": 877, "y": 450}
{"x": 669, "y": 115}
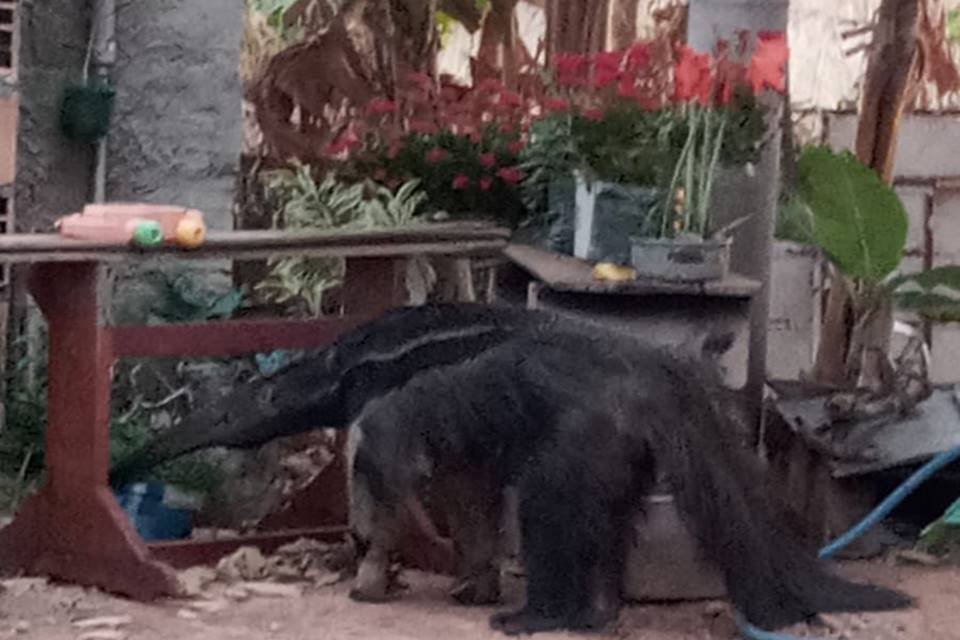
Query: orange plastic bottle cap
{"x": 190, "y": 232}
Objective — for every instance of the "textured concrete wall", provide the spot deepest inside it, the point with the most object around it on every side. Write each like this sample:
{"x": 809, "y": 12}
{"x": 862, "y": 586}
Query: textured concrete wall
{"x": 53, "y": 174}
{"x": 178, "y": 121}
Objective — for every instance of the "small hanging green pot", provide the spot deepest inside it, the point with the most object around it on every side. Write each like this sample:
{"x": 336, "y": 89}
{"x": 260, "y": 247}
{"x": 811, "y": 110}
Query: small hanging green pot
{"x": 86, "y": 110}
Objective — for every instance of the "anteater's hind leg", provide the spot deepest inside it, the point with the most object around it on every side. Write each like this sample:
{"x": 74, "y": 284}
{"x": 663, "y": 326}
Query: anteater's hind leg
{"x": 473, "y": 503}
{"x": 373, "y": 524}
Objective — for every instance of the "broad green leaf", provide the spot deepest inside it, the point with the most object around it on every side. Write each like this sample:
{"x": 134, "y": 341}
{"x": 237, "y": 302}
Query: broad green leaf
{"x": 858, "y": 221}
{"x": 934, "y": 294}
{"x": 952, "y": 515}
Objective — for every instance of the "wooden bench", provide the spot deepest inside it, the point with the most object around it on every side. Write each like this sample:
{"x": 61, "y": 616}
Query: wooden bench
{"x": 72, "y": 528}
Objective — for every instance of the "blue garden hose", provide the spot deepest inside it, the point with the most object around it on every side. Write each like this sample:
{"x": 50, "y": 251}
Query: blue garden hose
{"x": 918, "y": 477}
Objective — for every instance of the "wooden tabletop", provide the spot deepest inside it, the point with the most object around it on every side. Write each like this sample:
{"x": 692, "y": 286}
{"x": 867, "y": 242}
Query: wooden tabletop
{"x": 444, "y": 239}
{"x": 568, "y": 274}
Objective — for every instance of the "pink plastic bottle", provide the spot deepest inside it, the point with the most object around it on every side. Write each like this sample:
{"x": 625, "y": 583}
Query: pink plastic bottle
{"x": 141, "y": 231}
{"x": 167, "y": 216}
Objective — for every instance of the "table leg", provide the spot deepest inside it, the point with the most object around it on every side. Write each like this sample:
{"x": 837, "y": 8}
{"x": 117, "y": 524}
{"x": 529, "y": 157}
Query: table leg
{"x": 73, "y": 529}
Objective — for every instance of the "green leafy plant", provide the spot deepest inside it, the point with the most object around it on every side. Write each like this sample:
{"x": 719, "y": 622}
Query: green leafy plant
{"x": 301, "y": 203}
{"x": 272, "y": 9}
{"x": 22, "y": 440}
{"x": 182, "y": 298}
{"x": 856, "y": 219}
{"x": 860, "y": 224}
{"x": 942, "y": 536}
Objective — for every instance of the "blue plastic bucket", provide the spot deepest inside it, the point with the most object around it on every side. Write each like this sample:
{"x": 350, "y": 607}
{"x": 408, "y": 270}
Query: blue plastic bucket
{"x": 143, "y": 502}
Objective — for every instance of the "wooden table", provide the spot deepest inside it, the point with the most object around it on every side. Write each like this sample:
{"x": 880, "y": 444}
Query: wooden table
{"x": 72, "y": 528}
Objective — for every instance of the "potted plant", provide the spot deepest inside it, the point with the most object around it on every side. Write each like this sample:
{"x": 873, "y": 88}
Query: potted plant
{"x": 461, "y": 144}
{"x": 860, "y": 225}
{"x": 648, "y": 127}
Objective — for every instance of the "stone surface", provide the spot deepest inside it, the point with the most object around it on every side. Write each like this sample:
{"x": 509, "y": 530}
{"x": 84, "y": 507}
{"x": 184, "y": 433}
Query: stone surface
{"x": 178, "y": 121}
{"x": 53, "y": 174}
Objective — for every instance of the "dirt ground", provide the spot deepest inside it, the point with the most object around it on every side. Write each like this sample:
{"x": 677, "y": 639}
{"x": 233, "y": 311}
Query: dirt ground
{"x": 56, "y": 612}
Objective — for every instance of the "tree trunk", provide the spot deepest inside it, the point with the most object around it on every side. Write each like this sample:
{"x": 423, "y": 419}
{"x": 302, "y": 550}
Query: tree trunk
{"x": 888, "y": 88}
{"x": 623, "y": 23}
{"x": 576, "y": 26}
{"x": 498, "y": 42}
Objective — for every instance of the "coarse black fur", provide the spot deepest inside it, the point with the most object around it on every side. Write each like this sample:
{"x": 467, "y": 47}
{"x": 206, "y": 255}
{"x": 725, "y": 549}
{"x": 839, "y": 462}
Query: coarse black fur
{"x": 330, "y": 388}
{"x": 581, "y": 421}
{"x": 578, "y": 418}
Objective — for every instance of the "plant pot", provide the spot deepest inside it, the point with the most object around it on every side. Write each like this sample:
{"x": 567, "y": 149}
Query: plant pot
{"x": 605, "y": 215}
{"x": 680, "y": 259}
{"x": 663, "y": 559}
{"x": 562, "y": 214}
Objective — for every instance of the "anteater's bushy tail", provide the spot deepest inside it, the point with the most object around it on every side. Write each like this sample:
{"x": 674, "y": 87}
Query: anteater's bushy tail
{"x": 773, "y": 578}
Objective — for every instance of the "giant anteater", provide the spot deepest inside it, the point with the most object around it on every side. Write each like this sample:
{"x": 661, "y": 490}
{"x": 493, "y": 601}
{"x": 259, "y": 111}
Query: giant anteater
{"x": 329, "y": 389}
{"x": 580, "y": 420}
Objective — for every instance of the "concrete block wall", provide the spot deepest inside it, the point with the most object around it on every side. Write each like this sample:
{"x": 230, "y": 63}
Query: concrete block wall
{"x": 794, "y": 326}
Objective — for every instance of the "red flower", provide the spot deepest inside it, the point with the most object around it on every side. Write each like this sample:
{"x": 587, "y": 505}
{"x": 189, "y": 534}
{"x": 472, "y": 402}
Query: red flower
{"x": 507, "y": 127}
{"x": 343, "y": 142}
{"x": 510, "y": 175}
{"x": 593, "y": 114}
{"x": 451, "y": 93}
{"x": 488, "y": 160}
{"x": 461, "y": 182}
{"x": 555, "y": 105}
{"x": 485, "y": 183}
{"x": 334, "y": 149}
{"x": 516, "y": 147}
{"x": 488, "y": 86}
{"x": 381, "y": 106}
{"x": 769, "y": 58}
{"x": 436, "y": 155}
{"x": 606, "y": 68}
{"x": 638, "y": 56}
{"x": 692, "y": 78}
{"x": 627, "y": 87}
{"x": 510, "y": 99}
{"x": 570, "y": 68}
{"x": 421, "y": 80}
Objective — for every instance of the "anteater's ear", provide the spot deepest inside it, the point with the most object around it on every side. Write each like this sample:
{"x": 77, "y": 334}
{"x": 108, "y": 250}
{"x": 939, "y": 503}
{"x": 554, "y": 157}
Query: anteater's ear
{"x": 717, "y": 343}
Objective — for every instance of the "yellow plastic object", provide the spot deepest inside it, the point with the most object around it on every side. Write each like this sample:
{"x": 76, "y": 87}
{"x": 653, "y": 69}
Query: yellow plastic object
{"x": 190, "y": 232}
{"x": 611, "y": 272}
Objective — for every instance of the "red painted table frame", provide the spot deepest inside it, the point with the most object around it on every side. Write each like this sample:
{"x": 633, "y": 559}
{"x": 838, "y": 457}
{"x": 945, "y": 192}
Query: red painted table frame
{"x": 72, "y": 528}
